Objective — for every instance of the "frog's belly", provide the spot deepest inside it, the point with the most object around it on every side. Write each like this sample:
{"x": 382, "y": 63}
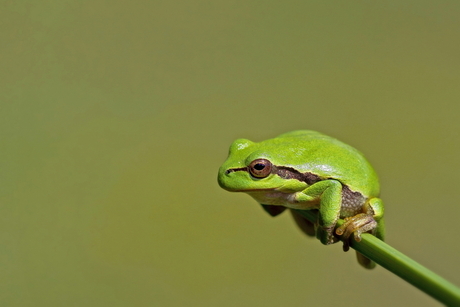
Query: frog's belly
{"x": 277, "y": 198}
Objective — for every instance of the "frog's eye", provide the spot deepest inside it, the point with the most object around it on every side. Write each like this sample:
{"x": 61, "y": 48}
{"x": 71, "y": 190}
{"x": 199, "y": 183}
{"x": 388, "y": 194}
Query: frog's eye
{"x": 260, "y": 168}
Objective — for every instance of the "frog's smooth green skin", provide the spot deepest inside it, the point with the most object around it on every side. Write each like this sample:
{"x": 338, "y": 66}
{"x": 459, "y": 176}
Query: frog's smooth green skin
{"x": 308, "y": 170}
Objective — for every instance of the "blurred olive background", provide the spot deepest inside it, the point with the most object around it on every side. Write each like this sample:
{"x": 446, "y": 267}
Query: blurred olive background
{"x": 116, "y": 115}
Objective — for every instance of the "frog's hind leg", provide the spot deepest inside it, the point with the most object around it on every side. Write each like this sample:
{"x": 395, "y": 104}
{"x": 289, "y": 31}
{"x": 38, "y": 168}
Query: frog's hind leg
{"x": 379, "y": 233}
{"x": 380, "y": 230}
{"x": 305, "y": 225}
{"x": 273, "y": 210}
{"x": 364, "y": 261}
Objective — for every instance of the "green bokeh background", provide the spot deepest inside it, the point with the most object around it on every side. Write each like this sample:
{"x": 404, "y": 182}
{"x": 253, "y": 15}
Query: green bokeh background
{"x": 116, "y": 115}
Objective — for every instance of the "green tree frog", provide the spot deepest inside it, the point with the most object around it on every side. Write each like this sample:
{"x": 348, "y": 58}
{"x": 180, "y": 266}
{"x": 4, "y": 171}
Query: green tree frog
{"x": 308, "y": 170}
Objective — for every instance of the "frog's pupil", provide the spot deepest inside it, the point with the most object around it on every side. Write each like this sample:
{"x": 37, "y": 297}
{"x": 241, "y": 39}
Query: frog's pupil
{"x": 259, "y": 166}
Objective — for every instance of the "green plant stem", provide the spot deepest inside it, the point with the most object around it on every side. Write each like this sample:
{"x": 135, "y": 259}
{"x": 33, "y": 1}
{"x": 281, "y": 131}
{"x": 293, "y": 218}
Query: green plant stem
{"x": 401, "y": 265}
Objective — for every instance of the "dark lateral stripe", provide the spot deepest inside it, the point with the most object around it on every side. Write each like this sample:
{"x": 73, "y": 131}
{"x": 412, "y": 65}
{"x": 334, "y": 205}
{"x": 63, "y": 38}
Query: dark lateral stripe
{"x": 286, "y": 173}
{"x": 290, "y": 173}
{"x": 352, "y": 199}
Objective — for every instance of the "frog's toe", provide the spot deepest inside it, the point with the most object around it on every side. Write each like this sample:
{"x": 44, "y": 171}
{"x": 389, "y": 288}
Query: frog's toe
{"x": 355, "y": 225}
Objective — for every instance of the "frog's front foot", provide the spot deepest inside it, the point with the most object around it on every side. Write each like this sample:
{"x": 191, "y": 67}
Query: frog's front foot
{"x": 356, "y": 225}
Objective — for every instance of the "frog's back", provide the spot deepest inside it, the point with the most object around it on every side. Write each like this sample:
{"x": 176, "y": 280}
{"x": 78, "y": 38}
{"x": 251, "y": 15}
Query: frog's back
{"x": 327, "y": 157}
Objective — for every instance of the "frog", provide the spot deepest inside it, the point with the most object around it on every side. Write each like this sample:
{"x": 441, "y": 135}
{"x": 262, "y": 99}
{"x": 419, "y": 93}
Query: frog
{"x": 308, "y": 170}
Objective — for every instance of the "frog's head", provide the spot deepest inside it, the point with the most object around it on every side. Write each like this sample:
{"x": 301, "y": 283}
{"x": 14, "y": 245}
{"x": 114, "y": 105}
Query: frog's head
{"x": 248, "y": 168}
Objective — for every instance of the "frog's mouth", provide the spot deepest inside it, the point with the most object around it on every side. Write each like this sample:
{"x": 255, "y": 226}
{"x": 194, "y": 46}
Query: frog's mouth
{"x": 231, "y": 170}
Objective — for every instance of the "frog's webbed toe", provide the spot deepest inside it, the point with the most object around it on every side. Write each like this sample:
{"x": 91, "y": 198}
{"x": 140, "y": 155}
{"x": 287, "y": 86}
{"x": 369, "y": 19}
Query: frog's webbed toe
{"x": 356, "y": 225}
